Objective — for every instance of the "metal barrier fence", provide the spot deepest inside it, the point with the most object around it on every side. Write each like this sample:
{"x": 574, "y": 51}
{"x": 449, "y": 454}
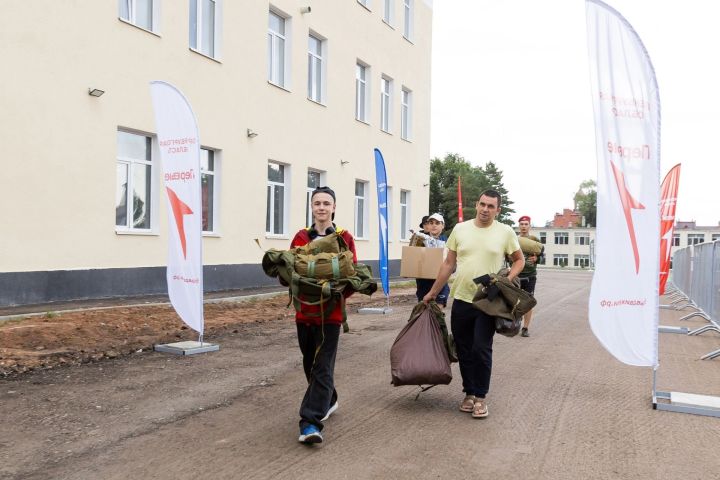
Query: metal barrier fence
{"x": 696, "y": 274}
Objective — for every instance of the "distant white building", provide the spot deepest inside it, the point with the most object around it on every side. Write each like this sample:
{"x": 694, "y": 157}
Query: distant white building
{"x": 567, "y": 247}
{"x": 574, "y": 247}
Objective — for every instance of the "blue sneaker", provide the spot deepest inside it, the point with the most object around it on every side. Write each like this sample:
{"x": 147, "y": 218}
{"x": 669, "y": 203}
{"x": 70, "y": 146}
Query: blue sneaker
{"x": 310, "y": 434}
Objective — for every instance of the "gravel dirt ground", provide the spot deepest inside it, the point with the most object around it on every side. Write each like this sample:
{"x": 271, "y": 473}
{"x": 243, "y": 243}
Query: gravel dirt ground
{"x": 560, "y": 406}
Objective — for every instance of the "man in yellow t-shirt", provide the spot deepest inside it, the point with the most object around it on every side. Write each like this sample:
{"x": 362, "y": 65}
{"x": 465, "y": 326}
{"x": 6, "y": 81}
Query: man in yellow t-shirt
{"x": 475, "y": 248}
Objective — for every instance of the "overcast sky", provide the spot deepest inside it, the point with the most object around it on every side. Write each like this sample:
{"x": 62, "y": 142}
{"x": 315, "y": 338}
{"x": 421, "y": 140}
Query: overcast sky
{"x": 511, "y": 85}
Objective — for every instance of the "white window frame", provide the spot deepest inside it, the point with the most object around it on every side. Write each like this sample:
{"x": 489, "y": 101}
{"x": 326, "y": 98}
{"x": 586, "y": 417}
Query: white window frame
{"x": 196, "y": 37}
{"x": 130, "y": 187}
{"x": 364, "y": 85}
{"x": 364, "y": 215}
{"x": 406, "y": 114}
{"x": 132, "y": 15}
{"x": 714, "y": 237}
{"x": 308, "y": 192}
{"x": 389, "y": 12}
{"x": 274, "y": 37}
{"x": 405, "y": 214}
{"x": 408, "y": 19}
{"x": 391, "y": 230}
{"x": 316, "y": 93}
{"x": 676, "y": 240}
{"x": 270, "y": 205}
{"x": 543, "y": 237}
{"x": 562, "y": 236}
{"x": 559, "y": 259}
{"x": 386, "y": 88}
{"x": 215, "y": 174}
{"x": 696, "y": 238}
{"x": 581, "y": 261}
{"x": 582, "y": 238}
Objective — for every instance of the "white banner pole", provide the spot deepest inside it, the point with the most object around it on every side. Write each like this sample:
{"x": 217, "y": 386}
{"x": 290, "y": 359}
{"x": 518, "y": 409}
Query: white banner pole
{"x": 623, "y": 304}
{"x": 179, "y": 144}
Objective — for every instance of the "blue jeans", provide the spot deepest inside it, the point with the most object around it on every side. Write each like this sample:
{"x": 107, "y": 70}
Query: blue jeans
{"x": 423, "y": 287}
{"x": 473, "y": 332}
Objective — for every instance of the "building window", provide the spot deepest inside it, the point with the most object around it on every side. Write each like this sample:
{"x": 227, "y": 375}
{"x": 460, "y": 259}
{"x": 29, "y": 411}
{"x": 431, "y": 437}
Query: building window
{"x": 361, "y": 92}
{"x": 385, "y": 103}
{"x": 543, "y": 238}
{"x": 388, "y": 11}
{"x": 676, "y": 240}
{"x": 389, "y": 213}
{"x": 715, "y": 237}
{"x": 695, "y": 238}
{"x": 404, "y": 215}
{"x": 141, "y": 13}
{"x": 406, "y": 114}
{"x": 208, "y": 176}
{"x": 560, "y": 260}
{"x": 314, "y": 180}
{"x": 205, "y": 26}
{"x": 364, "y": 3}
{"x": 275, "y": 218}
{"x": 408, "y": 24}
{"x": 316, "y": 68}
{"x": 361, "y": 209}
{"x": 582, "y": 261}
{"x": 133, "y": 192}
{"x": 582, "y": 238}
{"x": 277, "y": 50}
{"x": 561, "y": 238}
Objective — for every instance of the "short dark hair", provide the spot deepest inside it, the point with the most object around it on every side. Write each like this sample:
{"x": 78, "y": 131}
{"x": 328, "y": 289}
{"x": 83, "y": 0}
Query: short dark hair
{"x": 327, "y": 190}
{"x": 492, "y": 194}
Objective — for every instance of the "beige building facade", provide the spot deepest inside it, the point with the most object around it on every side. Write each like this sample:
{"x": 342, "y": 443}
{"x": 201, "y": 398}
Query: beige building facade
{"x": 287, "y": 95}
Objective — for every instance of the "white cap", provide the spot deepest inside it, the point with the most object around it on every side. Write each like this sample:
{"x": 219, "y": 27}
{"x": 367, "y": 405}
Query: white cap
{"x": 438, "y": 217}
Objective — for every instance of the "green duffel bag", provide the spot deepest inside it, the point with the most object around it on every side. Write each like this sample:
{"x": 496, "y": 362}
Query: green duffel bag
{"x": 332, "y": 243}
{"x": 529, "y": 246}
{"x": 324, "y": 293}
{"x": 325, "y": 265}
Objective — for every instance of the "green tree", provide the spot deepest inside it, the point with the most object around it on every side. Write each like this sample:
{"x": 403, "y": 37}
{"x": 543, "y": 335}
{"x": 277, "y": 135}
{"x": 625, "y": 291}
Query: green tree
{"x": 443, "y": 187}
{"x": 586, "y": 201}
{"x": 495, "y": 180}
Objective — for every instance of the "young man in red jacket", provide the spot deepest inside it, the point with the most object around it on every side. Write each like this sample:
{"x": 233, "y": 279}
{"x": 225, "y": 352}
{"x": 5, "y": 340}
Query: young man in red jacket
{"x": 318, "y": 335}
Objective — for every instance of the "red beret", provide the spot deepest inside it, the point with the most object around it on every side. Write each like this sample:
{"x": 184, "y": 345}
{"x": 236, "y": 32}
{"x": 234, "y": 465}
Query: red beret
{"x": 524, "y": 218}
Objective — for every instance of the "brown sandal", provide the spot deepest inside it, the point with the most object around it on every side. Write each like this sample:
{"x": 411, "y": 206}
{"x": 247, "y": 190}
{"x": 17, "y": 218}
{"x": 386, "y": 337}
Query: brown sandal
{"x": 468, "y": 404}
{"x": 480, "y": 409}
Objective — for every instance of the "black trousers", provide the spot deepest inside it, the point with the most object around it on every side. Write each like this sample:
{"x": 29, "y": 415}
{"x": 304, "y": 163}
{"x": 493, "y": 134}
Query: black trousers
{"x": 473, "y": 332}
{"x": 319, "y": 370}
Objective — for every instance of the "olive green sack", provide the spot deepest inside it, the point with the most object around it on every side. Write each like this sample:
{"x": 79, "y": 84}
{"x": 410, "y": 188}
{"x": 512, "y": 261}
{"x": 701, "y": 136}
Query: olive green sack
{"x": 325, "y": 266}
{"x": 325, "y": 293}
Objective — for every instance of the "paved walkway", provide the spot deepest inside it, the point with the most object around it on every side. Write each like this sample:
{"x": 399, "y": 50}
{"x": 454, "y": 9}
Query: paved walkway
{"x": 560, "y": 408}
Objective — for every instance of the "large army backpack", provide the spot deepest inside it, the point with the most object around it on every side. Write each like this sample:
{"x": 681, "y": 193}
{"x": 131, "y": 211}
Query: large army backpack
{"x": 319, "y": 273}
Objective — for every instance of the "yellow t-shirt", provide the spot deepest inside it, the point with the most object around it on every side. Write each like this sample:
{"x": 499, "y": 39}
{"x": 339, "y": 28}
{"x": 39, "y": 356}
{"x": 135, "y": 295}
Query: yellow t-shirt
{"x": 479, "y": 251}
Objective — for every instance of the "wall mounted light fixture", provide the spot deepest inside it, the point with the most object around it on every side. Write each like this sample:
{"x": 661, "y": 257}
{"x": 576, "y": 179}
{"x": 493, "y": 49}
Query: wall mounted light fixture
{"x": 251, "y": 133}
{"x": 95, "y": 92}
{"x": 307, "y": 9}
{"x": 344, "y": 162}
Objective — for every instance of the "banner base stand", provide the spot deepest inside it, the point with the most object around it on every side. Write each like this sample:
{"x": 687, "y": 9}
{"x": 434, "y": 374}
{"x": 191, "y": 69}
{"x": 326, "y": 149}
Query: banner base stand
{"x": 187, "y": 348}
{"x": 680, "y": 330}
{"x": 687, "y": 403}
{"x": 374, "y": 311}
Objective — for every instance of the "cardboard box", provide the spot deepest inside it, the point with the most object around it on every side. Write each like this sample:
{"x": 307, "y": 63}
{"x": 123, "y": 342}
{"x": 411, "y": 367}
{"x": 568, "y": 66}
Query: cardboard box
{"x": 421, "y": 262}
